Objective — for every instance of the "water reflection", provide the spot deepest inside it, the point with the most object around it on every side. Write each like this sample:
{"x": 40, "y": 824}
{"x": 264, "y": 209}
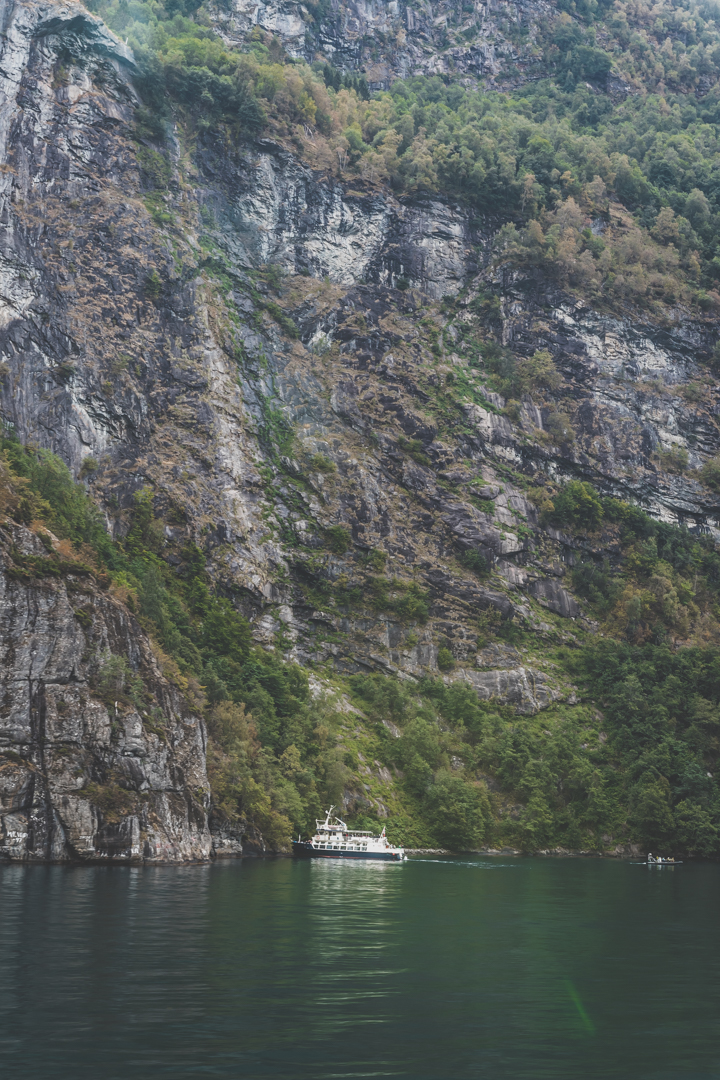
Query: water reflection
{"x": 353, "y": 918}
{"x": 499, "y": 969}
{"x": 91, "y": 954}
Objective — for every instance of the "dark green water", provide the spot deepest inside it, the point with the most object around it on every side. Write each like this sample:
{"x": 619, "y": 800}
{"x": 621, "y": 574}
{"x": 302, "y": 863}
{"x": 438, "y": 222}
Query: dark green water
{"x": 453, "y": 969}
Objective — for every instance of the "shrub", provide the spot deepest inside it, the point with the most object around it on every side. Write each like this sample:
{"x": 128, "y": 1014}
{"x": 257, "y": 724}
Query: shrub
{"x": 113, "y": 801}
{"x": 696, "y": 831}
{"x": 376, "y": 560}
{"x": 88, "y": 466}
{"x": 284, "y": 321}
{"x": 383, "y": 697}
{"x": 44, "y": 489}
{"x": 577, "y": 505}
{"x": 476, "y": 562}
{"x": 652, "y": 815}
{"x": 415, "y": 449}
{"x": 445, "y": 659}
{"x": 596, "y": 584}
{"x": 558, "y": 425}
{"x": 710, "y": 473}
{"x": 320, "y": 463}
{"x": 674, "y": 459}
{"x": 458, "y": 812}
{"x": 114, "y": 679}
{"x": 338, "y": 539}
{"x": 538, "y": 370}
{"x": 153, "y": 286}
{"x": 413, "y": 605}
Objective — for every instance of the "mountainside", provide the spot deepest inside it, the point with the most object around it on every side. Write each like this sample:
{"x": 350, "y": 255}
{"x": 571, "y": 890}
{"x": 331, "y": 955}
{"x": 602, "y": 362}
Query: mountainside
{"x": 381, "y": 345}
{"x": 102, "y": 757}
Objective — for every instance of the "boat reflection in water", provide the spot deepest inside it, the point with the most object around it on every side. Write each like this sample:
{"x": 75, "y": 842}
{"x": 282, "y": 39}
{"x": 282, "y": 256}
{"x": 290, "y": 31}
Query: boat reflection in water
{"x": 333, "y": 840}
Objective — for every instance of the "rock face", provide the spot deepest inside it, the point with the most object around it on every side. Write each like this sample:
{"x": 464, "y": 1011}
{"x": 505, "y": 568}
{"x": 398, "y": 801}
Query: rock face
{"x": 86, "y": 777}
{"x": 135, "y": 331}
{"x": 387, "y": 40}
{"x": 634, "y": 401}
{"x": 271, "y": 208}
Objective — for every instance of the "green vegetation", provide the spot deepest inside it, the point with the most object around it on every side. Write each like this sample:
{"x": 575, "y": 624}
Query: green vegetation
{"x": 611, "y": 195}
{"x": 666, "y": 585}
{"x": 645, "y": 776}
{"x": 661, "y": 712}
{"x": 203, "y": 643}
{"x": 476, "y": 562}
{"x": 642, "y": 771}
{"x": 38, "y": 486}
{"x": 445, "y": 659}
{"x": 338, "y": 539}
{"x": 578, "y": 505}
{"x": 323, "y": 464}
{"x": 414, "y": 448}
{"x": 114, "y": 800}
{"x": 407, "y": 600}
{"x": 710, "y": 473}
{"x": 616, "y": 199}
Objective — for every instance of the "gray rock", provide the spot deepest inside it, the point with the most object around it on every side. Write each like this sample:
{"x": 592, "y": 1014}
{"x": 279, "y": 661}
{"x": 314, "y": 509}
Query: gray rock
{"x": 274, "y": 209}
{"x": 524, "y": 688}
{"x": 83, "y": 778}
{"x": 179, "y": 393}
{"x": 554, "y": 597}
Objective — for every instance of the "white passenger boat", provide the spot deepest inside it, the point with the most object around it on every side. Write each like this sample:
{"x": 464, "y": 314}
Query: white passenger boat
{"x": 333, "y": 840}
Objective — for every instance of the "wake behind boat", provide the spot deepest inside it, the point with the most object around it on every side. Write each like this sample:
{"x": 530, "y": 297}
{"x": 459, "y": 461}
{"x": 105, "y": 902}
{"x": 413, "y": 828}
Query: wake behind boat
{"x": 333, "y": 840}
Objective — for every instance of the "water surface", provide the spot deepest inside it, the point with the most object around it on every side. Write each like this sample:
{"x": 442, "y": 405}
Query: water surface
{"x": 501, "y": 968}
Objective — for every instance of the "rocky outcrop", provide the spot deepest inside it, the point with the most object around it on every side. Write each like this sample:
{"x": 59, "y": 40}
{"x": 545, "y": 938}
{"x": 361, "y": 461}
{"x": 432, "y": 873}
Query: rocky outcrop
{"x": 524, "y": 688}
{"x": 118, "y": 347}
{"x": 397, "y": 39}
{"x": 272, "y": 208}
{"x": 101, "y": 757}
{"x": 642, "y": 407}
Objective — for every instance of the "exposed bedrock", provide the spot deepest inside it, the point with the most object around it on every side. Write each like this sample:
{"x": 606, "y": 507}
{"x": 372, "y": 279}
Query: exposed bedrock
{"x": 100, "y": 756}
{"x": 395, "y": 39}
{"x": 271, "y": 208}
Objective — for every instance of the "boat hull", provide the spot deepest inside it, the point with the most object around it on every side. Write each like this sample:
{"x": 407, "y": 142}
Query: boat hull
{"x": 307, "y": 851}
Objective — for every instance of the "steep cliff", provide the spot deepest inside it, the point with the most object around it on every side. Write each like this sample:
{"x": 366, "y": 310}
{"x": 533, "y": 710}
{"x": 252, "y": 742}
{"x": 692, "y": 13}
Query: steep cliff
{"x": 101, "y": 758}
{"x": 361, "y": 410}
{"x": 384, "y": 41}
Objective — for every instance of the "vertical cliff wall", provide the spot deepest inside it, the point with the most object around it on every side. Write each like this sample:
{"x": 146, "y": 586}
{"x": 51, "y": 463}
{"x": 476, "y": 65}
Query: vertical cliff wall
{"x": 100, "y": 756}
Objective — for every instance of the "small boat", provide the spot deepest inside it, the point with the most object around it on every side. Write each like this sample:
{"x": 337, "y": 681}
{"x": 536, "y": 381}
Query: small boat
{"x": 333, "y": 840}
{"x": 657, "y": 860}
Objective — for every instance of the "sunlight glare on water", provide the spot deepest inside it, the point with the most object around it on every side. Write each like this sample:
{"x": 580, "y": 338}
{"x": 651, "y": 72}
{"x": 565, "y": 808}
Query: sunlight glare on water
{"x": 435, "y": 969}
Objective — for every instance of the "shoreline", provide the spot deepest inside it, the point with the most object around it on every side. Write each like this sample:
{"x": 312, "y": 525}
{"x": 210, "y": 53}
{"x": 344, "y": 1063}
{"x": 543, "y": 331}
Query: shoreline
{"x": 218, "y": 859}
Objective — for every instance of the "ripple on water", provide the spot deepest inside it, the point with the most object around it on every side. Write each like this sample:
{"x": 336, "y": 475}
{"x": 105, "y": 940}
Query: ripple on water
{"x": 314, "y": 970}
